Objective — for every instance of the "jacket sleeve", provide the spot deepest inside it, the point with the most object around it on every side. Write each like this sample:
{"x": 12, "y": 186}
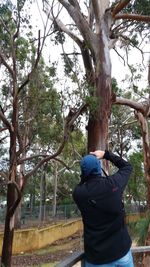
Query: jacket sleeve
{"x": 121, "y": 177}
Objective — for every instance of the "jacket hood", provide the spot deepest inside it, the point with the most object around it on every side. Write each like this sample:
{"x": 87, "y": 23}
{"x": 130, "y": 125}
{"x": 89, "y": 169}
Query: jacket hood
{"x": 90, "y": 165}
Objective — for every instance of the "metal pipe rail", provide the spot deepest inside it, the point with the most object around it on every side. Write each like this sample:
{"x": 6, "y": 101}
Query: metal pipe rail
{"x": 78, "y": 256}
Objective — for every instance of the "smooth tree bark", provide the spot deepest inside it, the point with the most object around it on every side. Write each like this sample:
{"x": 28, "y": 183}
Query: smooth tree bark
{"x": 94, "y": 39}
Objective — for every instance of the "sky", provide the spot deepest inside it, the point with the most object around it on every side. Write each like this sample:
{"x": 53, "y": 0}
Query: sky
{"x": 119, "y": 70}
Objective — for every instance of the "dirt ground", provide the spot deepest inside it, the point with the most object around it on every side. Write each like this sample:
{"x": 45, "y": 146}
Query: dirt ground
{"x": 52, "y": 254}
{"x": 57, "y": 252}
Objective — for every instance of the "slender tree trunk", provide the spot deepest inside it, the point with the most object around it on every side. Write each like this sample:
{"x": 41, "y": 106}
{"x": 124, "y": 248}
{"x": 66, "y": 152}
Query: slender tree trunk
{"x": 9, "y": 229}
{"x": 42, "y": 197}
{"x": 55, "y": 192}
{"x": 146, "y": 151}
{"x": 18, "y": 210}
{"x": 11, "y": 198}
{"x": 11, "y": 192}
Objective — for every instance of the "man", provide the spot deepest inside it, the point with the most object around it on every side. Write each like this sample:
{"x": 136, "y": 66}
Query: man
{"x": 106, "y": 239}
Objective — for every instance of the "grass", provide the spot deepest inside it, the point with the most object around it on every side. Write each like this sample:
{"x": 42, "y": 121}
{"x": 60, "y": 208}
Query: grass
{"x": 46, "y": 265}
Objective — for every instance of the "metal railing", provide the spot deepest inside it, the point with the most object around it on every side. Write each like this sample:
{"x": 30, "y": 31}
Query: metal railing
{"x": 78, "y": 256}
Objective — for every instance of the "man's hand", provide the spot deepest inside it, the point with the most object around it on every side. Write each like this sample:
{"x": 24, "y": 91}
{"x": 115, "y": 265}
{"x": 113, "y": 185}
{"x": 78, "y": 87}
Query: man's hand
{"x": 98, "y": 153}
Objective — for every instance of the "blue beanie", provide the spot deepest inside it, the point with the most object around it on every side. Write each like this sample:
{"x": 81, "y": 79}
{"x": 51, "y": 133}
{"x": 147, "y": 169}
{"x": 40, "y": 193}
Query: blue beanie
{"x": 90, "y": 165}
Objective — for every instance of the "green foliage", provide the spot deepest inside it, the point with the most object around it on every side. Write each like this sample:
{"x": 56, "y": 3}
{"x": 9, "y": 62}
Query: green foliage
{"x": 43, "y": 105}
{"x": 138, "y": 230}
{"x": 77, "y": 143}
{"x": 115, "y": 87}
{"x": 137, "y": 184}
{"x": 59, "y": 37}
{"x": 22, "y": 51}
{"x": 141, "y": 7}
{"x": 20, "y": 4}
{"x": 133, "y": 29}
{"x": 141, "y": 228}
{"x": 68, "y": 64}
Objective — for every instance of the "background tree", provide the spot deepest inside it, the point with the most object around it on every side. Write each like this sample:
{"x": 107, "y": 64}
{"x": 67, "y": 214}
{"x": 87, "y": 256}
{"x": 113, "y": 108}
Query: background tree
{"x": 19, "y": 63}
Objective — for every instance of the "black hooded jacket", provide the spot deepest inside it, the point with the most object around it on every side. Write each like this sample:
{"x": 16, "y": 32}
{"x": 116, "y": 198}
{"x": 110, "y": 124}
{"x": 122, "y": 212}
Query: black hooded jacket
{"x": 99, "y": 199}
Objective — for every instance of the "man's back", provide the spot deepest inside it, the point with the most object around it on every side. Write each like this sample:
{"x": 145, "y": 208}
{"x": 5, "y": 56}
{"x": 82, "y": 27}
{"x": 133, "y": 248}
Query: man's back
{"x": 100, "y": 202}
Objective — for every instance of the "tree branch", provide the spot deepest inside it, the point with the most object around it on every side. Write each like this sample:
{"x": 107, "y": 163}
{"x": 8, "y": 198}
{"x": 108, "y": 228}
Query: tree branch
{"x": 67, "y": 31}
{"x": 39, "y": 50}
{"x": 6, "y": 64}
{"x": 136, "y": 17}
{"x": 4, "y": 120}
{"x": 97, "y": 14}
{"x": 130, "y": 103}
{"x": 15, "y": 205}
{"x": 67, "y": 128}
{"x": 120, "y": 6}
{"x": 80, "y": 21}
{"x": 99, "y": 8}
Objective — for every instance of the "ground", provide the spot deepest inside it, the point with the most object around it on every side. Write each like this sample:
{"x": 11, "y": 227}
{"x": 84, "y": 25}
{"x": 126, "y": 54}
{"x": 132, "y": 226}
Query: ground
{"x": 55, "y": 253}
{"x": 52, "y": 254}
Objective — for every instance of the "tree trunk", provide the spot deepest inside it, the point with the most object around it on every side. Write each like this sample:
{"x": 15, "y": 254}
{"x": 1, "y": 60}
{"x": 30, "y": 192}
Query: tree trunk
{"x": 42, "y": 197}
{"x": 9, "y": 228}
{"x": 146, "y": 151}
{"x": 11, "y": 192}
{"x": 55, "y": 192}
{"x": 98, "y": 122}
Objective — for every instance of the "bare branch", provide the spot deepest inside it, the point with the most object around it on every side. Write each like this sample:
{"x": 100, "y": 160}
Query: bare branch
{"x": 136, "y": 17}
{"x": 97, "y": 14}
{"x": 4, "y": 119}
{"x": 18, "y": 26}
{"x": 120, "y": 6}
{"x": 63, "y": 163}
{"x": 34, "y": 67}
{"x": 90, "y": 18}
{"x": 6, "y": 65}
{"x": 120, "y": 55}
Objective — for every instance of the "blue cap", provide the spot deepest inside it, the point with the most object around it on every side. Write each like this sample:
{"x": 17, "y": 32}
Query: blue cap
{"x": 90, "y": 165}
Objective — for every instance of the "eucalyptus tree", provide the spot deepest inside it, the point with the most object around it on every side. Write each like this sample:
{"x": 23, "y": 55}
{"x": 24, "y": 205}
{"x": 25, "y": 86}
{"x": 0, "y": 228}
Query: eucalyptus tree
{"x": 96, "y": 26}
{"x": 23, "y": 115}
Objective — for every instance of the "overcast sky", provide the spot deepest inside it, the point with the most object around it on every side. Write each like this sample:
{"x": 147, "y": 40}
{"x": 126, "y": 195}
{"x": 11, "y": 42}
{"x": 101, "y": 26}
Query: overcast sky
{"x": 119, "y": 70}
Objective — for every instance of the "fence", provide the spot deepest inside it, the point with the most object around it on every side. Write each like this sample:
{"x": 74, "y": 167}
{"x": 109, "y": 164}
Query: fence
{"x": 63, "y": 212}
{"x": 78, "y": 257}
{"x": 28, "y": 214}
